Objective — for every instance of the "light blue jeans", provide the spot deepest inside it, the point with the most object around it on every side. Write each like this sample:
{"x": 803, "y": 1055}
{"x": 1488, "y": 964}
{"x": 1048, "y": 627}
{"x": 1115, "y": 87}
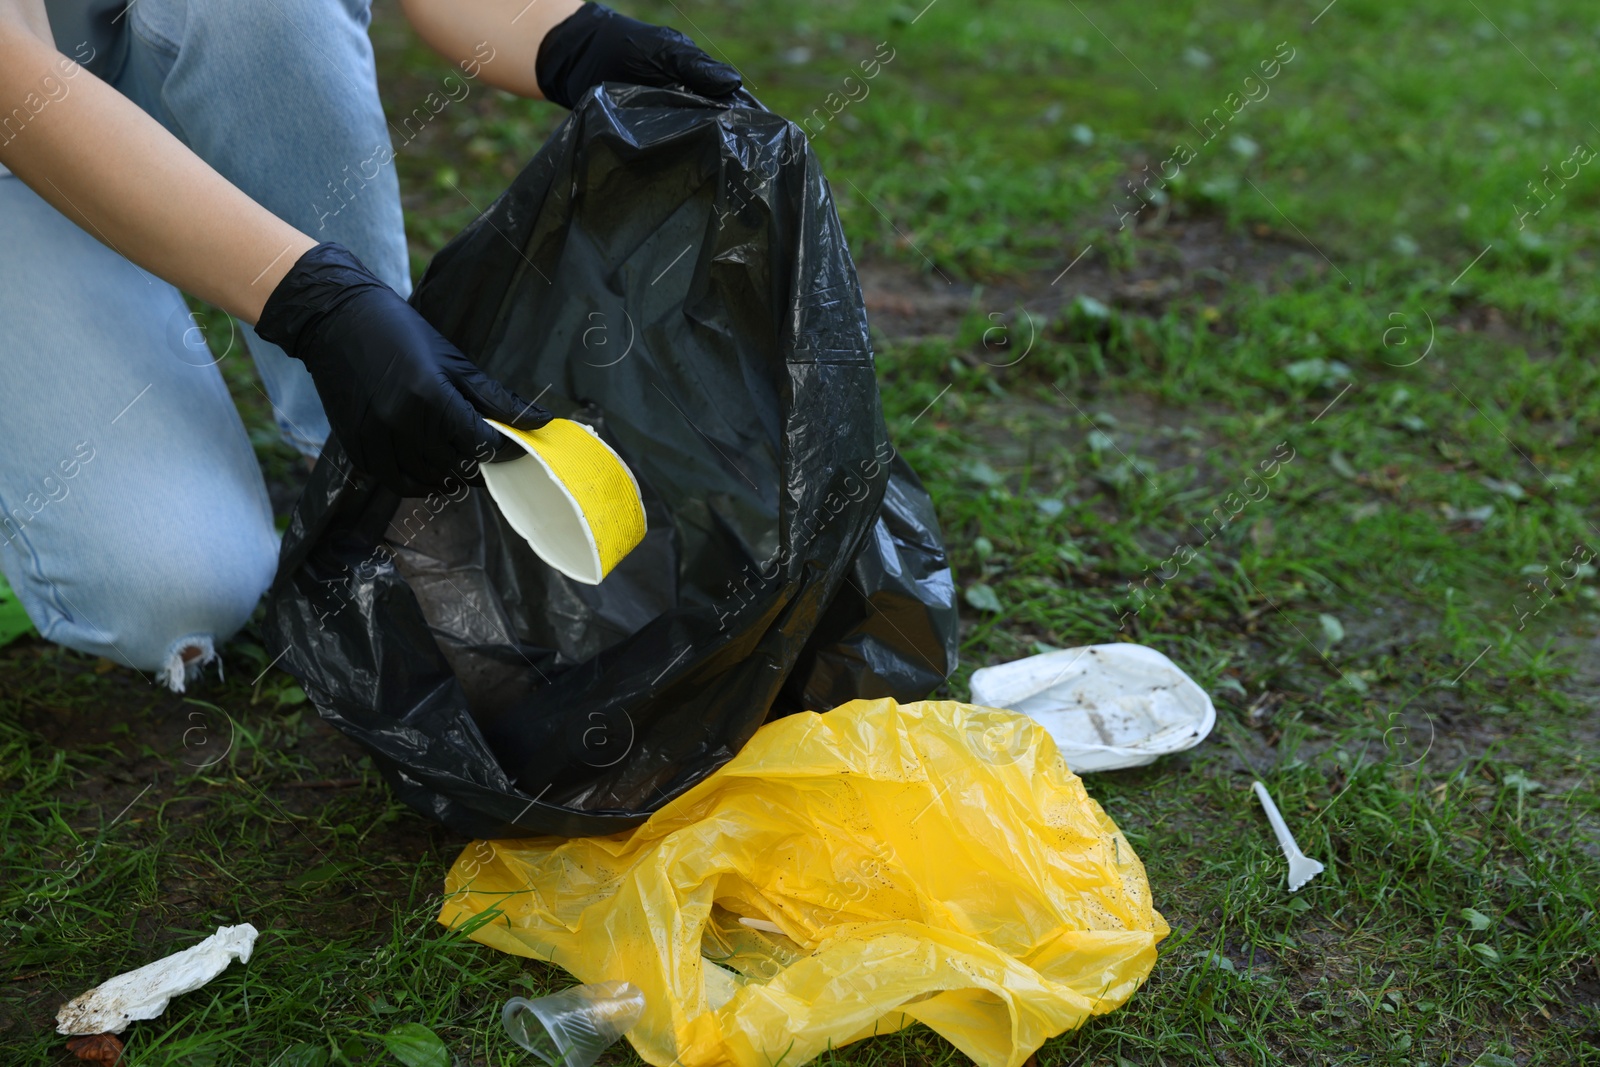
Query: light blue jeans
{"x": 134, "y": 523}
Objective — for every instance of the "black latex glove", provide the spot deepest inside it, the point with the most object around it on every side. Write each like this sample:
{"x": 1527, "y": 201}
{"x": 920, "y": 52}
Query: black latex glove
{"x": 595, "y": 44}
{"x": 405, "y": 404}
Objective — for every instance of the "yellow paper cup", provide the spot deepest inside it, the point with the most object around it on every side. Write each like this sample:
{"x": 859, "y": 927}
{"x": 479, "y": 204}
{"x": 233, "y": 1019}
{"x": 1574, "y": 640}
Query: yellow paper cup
{"x": 571, "y": 498}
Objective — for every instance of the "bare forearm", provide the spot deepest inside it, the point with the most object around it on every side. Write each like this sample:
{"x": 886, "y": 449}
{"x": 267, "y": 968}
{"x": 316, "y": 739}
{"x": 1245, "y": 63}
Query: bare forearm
{"x": 105, "y": 164}
{"x": 514, "y": 30}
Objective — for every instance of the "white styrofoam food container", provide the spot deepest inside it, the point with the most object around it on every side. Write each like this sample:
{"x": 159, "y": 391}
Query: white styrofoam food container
{"x": 1106, "y": 706}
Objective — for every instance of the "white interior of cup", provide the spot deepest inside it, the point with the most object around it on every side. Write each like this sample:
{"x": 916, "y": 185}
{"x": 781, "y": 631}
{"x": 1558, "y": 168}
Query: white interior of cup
{"x": 547, "y": 516}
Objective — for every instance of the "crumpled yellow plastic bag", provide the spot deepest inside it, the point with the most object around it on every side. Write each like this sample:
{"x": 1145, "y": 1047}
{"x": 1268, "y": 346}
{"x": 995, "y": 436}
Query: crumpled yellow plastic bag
{"x": 932, "y": 861}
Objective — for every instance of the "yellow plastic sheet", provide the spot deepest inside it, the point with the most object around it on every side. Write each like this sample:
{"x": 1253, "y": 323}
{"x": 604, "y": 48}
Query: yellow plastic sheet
{"x": 932, "y": 861}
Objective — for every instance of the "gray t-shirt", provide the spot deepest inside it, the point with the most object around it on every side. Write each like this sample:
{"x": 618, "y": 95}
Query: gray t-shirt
{"x": 94, "y": 32}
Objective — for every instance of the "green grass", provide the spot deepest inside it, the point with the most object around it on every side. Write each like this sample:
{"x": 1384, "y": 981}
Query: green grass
{"x": 1365, "y": 624}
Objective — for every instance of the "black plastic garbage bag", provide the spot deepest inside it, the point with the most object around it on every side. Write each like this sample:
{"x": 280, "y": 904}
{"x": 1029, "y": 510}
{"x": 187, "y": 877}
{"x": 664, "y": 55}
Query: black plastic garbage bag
{"x": 671, "y": 272}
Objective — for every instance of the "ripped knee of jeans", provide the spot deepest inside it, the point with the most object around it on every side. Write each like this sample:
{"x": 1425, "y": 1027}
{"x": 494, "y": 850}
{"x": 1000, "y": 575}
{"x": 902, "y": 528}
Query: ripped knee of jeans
{"x": 186, "y": 658}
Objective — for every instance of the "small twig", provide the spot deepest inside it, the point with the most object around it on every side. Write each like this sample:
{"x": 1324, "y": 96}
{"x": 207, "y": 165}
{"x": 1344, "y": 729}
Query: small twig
{"x": 325, "y": 783}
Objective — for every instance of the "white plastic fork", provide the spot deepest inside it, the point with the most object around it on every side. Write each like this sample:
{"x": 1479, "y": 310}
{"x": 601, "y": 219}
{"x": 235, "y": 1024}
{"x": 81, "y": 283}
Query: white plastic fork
{"x": 1302, "y": 868}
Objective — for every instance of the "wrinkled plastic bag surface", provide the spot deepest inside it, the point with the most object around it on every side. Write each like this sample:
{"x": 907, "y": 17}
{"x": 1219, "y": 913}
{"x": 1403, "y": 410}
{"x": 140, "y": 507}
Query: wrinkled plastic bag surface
{"x": 932, "y": 861}
{"x": 145, "y": 992}
{"x": 671, "y": 272}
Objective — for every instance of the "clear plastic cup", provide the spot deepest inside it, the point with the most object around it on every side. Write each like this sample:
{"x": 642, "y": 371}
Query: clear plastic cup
{"x": 571, "y": 1028}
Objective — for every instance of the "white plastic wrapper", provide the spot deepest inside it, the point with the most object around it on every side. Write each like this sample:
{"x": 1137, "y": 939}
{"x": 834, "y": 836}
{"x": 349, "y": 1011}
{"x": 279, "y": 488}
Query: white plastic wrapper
{"x": 109, "y": 1007}
{"x": 1106, "y": 706}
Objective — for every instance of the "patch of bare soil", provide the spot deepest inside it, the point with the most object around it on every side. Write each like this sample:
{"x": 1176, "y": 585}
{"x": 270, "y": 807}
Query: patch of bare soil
{"x": 1196, "y": 259}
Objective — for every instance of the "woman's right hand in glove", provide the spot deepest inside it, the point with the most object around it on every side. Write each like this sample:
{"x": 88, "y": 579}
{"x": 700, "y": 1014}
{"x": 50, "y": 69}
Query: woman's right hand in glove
{"x": 406, "y": 405}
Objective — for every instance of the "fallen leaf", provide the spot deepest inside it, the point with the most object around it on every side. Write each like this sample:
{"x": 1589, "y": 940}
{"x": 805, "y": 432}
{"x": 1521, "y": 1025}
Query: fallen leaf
{"x": 97, "y": 1048}
{"x": 1365, "y": 511}
{"x": 980, "y": 471}
{"x": 1508, "y": 489}
{"x": 1087, "y": 307}
{"x": 317, "y": 875}
{"x": 983, "y": 598}
{"x": 1327, "y": 373}
{"x": 1478, "y": 515}
{"x": 1521, "y": 782}
{"x": 416, "y": 1046}
{"x": 1100, "y": 441}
